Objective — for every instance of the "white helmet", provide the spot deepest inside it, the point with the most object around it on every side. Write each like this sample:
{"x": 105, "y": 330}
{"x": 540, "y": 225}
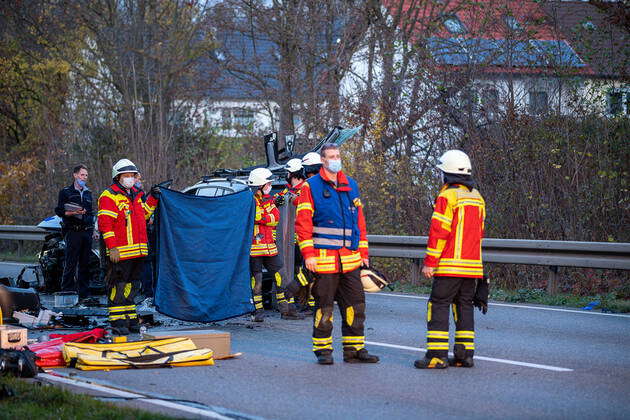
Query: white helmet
{"x": 373, "y": 281}
{"x": 455, "y": 162}
{"x": 312, "y": 158}
{"x": 123, "y": 166}
{"x": 259, "y": 177}
{"x": 294, "y": 165}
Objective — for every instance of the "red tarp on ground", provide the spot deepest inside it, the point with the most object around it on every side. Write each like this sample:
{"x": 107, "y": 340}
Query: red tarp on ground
{"x": 49, "y": 352}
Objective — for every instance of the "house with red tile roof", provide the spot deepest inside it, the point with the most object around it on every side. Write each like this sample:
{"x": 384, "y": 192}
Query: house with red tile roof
{"x": 600, "y": 34}
{"x": 513, "y": 55}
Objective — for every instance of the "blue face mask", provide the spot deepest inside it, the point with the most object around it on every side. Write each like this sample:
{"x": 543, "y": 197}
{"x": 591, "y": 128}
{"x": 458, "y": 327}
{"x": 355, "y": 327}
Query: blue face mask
{"x": 81, "y": 183}
{"x": 334, "y": 166}
{"x": 138, "y": 185}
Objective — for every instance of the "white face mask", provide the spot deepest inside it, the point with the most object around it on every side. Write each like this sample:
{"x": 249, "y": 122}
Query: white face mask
{"x": 267, "y": 189}
{"x": 128, "y": 181}
{"x": 334, "y": 165}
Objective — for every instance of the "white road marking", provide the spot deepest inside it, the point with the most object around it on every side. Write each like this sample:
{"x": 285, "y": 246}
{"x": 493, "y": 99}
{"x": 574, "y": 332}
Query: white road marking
{"x": 489, "y": 359}
{"x": 541, "y": 308}
{"x": 126, "y": 394}
{"x": 17, "y": 263}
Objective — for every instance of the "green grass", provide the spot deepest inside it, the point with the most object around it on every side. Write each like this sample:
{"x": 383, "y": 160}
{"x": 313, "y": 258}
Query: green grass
{"x": 35, "y": 400}
{"x": 608, "y": 302}
{"x": 13, "y": 257}
{"x": 421, "y": 289}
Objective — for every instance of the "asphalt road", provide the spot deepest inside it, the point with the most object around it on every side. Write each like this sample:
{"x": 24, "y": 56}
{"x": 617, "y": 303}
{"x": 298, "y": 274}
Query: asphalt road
{"x": 531, "y": 362}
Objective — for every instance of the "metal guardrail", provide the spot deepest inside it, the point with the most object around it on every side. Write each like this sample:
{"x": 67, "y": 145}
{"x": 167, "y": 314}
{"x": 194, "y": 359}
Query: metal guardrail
{"x": 608, "y": 255}
{"x": 22, "y": 233}
{"x": 517, "y": 251}
{"x": 553, "y": 254}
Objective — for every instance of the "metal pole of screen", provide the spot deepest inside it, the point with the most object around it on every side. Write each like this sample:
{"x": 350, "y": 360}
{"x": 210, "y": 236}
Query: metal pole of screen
{"x": 285, "y": 239}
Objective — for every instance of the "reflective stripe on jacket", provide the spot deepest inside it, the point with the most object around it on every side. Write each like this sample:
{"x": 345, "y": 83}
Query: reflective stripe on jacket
{"x": 313, "y": 219}
{"x": 454, "y": 245}
{"x": 265, "y": 222}
{"x": 335, "y": 223}
{"x": 291, "y": 193}
{"x": 122, "y": 220}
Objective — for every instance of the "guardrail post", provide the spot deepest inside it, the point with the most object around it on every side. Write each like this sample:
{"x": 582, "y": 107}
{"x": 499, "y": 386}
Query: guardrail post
{"x": 20, "y": 248}
{"x": 416, "y": 268}
{"x": 552, "y": 281}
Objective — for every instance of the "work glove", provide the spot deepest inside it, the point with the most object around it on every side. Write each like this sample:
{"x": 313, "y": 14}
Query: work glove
{"x": 155, "y": 191}
{"x": 279, "y": 200}
{"x": 302, "y": 295}
{"x": 114, "y": 255}
{"x": 480, "y": 300}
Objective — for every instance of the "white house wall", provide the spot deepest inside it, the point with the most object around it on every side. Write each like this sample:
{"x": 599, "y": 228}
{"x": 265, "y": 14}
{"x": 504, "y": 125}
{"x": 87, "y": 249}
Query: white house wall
{"x": 213, "y": 114}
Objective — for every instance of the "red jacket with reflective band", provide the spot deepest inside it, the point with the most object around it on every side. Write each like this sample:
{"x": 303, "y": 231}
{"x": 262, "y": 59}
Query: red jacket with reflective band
{"x": 265, "y": 222}
{"x": 328, "y": 260}
{"x": 292, "y": 192}
{"x": 454, "y": 245}
{"x": 122, "y": 220}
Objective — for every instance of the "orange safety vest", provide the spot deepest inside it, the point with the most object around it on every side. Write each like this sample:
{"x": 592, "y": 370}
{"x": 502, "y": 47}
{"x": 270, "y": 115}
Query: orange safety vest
{"x": 328, "y": 260}
{"x": 457, "y": 224}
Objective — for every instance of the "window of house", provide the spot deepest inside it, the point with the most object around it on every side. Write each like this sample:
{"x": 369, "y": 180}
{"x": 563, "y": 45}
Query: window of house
{"x": 615, "y": 102}
{"x": 490, "y": 103}
{"x": 512, "y": 23}
{"x": 469, "y": 98}
{"x": 454, "y": 25}
{"x": 538, "y": 102}
{"x": 490, "y": 97}
{"x": 243, "y": 117}
{"x": 226, "y": 117}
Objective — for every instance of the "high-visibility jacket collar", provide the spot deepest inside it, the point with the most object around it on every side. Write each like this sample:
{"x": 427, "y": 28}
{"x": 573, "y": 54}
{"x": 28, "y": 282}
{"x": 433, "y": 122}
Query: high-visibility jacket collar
{"x": 342, "y": 180}
{"x": 445, "y": 186}
{"x": 262, "y": 196}
{"x": 121, "y": 190}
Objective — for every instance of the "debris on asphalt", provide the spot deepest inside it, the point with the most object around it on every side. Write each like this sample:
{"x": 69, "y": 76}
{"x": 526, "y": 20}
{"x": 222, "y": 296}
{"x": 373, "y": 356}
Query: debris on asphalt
{"x": 12, "y": 337}
{"x": 43, "y": 319}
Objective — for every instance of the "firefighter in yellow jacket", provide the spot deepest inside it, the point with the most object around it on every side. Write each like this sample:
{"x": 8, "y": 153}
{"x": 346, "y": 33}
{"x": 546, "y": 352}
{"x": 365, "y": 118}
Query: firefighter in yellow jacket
{"x": 453, "y": 260}
{"x": 122, "y": 216}
{"x": 264, "y": 252}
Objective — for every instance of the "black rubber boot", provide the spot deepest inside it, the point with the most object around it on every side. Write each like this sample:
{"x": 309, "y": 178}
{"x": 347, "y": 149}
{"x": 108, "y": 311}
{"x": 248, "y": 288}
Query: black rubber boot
{"x": 324, "y": 357}
{"x": 134, "y": 326}
{"x": 307, "y": 311}
{"x": 120, "y": 327}
{"x": 259, "y": 315}
{"x": 359, "y": 356}
{"x": 120, "y": 331}
{"x": 432, "y": 363}
{"x": 463, "y": 357}
{"x": 288, "y": 311}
